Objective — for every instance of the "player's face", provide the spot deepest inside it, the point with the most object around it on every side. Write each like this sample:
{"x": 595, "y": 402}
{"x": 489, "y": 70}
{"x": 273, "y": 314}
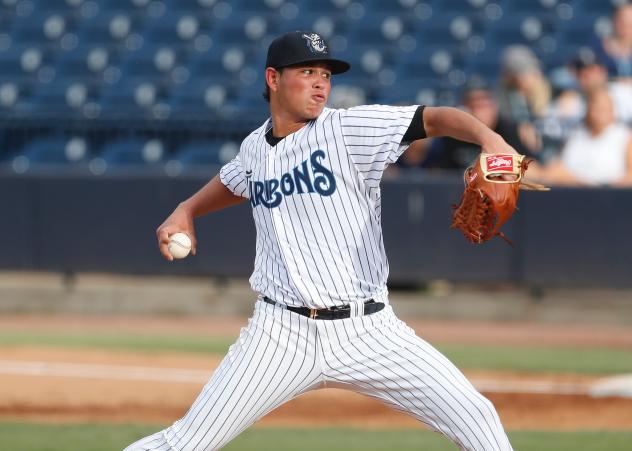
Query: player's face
{"x": 303, "y": 90}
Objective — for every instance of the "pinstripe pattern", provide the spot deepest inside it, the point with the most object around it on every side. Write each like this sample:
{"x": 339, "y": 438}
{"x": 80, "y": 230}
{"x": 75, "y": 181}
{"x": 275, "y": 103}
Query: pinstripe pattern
{"x": 318, "y": 250}
{"x": 378, "y": 355}
{"x": 316, "y": 203}
{"x": 281, "y": 355}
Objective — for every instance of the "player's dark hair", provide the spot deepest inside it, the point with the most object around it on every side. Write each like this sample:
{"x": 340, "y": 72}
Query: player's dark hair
{"x": 266, "y": 90}
{"x": 266, "y": 93}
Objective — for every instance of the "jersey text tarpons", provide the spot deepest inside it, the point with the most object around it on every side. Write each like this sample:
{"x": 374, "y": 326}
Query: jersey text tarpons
{"x": 308, "y": 177}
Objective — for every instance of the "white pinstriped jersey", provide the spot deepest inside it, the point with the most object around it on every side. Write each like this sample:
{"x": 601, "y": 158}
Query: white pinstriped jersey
{"x": 316, "y": 203}
{"x": 315, "y": 198}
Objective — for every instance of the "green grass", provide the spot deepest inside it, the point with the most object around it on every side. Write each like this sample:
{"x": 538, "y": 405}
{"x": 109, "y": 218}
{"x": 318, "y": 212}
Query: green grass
{"x": 90, "y": 437}
{"x": 16, "y": 436}
{"x": 126, "y": 342}
{"x": 520, "y": 358}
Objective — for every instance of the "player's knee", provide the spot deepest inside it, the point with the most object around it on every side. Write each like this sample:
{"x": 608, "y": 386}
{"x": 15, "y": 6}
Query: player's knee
{"x": 485, "y": 412}
{"x": 485, "y": 425}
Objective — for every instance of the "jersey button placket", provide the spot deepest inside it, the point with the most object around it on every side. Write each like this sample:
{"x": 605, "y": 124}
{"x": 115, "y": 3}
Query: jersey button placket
{"x": 276, "y": 216}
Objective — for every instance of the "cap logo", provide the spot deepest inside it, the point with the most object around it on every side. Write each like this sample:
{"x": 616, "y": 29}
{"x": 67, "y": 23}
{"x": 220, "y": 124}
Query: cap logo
{"x": 315, "y": 43}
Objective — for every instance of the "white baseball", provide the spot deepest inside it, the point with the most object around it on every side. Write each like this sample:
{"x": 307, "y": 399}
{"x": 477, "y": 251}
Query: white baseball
{"x": 179, "y": 245}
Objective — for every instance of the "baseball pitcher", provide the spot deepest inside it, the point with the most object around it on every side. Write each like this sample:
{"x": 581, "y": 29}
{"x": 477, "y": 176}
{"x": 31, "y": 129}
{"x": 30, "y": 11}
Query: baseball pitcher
{"x": 322, "y": 316}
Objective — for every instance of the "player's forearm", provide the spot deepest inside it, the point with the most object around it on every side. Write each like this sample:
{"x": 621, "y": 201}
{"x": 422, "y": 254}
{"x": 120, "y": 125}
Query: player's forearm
{"x": 446, "y": 121}
{"x": 211, "y": 197}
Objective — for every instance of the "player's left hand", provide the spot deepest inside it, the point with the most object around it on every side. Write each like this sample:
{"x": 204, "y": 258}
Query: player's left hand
{"x": 495, "y": 143}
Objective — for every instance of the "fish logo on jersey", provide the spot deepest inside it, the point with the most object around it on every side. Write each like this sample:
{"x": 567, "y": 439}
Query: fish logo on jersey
{"x": 308, "y": 177}
{"x": 315, "y": 43}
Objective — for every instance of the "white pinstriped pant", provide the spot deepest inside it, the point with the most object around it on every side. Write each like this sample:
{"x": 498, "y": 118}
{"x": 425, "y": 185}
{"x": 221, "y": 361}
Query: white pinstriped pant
{"x": 281, "y": 354}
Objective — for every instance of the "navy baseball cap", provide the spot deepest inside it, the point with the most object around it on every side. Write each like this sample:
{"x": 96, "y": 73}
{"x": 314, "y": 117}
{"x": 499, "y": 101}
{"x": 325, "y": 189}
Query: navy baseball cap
{"x": 299, "y": 47}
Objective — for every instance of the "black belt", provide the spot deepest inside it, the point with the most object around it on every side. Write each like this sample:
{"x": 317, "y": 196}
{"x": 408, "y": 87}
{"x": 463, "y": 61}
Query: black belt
{"x": 329, "y": 313}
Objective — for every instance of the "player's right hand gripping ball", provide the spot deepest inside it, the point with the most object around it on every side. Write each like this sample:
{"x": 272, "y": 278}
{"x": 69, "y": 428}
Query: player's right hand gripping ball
{"x": 492, "y": 186}
{"x": 179, "y": 245}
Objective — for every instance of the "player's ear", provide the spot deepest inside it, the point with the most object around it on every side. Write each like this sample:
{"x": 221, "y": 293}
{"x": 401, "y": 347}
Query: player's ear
{"x": 272, "y": 78}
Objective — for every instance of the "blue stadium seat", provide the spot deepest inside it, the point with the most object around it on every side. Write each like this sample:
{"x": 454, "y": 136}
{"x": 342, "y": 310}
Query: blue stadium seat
{"x": 6, "y": 17}
{"x": 327, "y": 25}
{"x": 156, "y": 63}
{"x": 596, "y": 8}
{"x": 10, "y": 61}
{"x": 309, "y": 7}
{"x": 90, "y": 63}
{"x": 14, "y": 95}
{"x": 64, "y": 95}
{"x": 448, "y": 29}
{"x": 485, "y": 65}
{"x": 58, "y": 6}
{"x": 191, "y": 6}
{"x": 563, "y": 55}
{"x": 109, "y": 29}
{"x": 250, "y": 99}
{"x": 200, "y": 153}
{"x": 578, "y": 31}
{"x": 261, "y": 6}
{"x": 409, "y": 92}
{"x": 26, "y": 63}
{"x": 519, "y": 29}
{"x": 177, "y": 28}
{"x": 135, "y": 98}
{"x": 385, "y": 29}
{"x": 43, "y": 29}
{"x": 200, "y": 96}
{"x": 468, "y": 7}
{"x": 430, "y": 63}
{"x": 393, "y": 6}
{"x": 225, "y": 64}
{"x": 124, "y": 5}
{"x": 205, "y": 58}
{"x": 369, "y": 60}
{"x": 56, "y": 150}
{"x": 537, "y": 7}
{"x": 8, "y": 7}
{"x": 133, "y": 152}
{"x": 245, "y": 28}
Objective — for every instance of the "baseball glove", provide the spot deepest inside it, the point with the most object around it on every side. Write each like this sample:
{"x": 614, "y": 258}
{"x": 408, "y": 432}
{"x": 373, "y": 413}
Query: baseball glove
{"x": 492, "y": 186}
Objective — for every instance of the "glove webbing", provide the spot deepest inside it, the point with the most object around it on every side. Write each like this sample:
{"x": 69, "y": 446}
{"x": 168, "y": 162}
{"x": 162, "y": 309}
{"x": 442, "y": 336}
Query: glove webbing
{"x": 480, "y": 213}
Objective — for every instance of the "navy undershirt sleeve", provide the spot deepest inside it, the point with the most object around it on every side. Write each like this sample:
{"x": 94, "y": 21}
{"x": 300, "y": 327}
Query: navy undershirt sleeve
{"x": 416, "y": 130}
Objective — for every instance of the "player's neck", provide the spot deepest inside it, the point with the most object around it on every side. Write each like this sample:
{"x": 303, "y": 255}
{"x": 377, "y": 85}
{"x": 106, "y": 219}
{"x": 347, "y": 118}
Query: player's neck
{"x": 284, "y": 123}
{"x": 282, "y": 128}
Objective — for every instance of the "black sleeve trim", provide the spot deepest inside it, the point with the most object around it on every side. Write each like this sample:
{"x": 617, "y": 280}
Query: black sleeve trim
{"x": 416, "y": 129}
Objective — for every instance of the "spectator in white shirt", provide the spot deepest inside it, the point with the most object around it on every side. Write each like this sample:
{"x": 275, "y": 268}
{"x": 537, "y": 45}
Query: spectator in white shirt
{"x": 598, "y": 152}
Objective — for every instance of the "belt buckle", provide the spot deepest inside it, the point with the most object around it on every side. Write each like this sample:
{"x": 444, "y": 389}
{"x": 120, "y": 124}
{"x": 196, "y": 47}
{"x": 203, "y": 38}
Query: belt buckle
{"x": 313, "y": 313}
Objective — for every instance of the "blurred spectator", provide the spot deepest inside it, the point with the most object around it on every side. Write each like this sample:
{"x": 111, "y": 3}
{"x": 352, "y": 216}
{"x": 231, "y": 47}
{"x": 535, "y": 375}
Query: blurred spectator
{"x": 569, "y": 107}
{"x": 598, "y": 152}
{"x": 616, "y": 50}
{"x": 525, "y": 93}
{"x": 590, "y": 73}
{"x": 448, "y": 153}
